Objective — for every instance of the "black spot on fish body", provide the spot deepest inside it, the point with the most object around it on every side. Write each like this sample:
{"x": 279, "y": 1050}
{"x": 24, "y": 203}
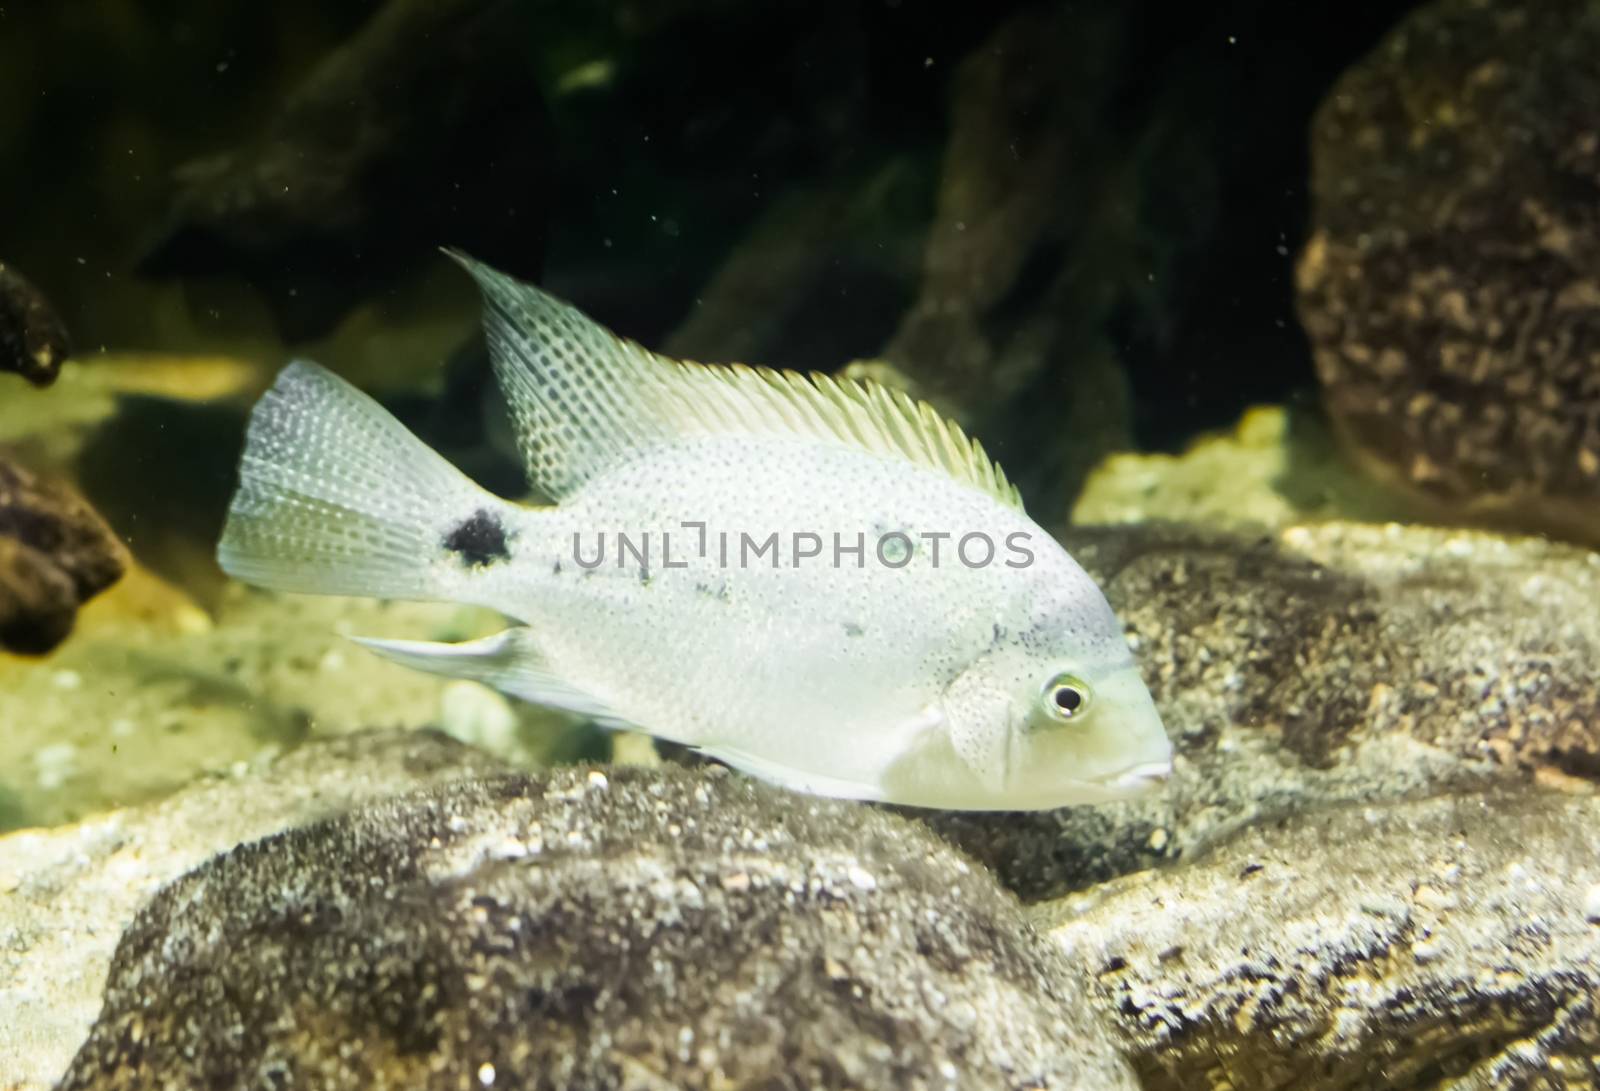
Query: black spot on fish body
{"x": 718, "y": 590}
{"x": 555, "y": 570}
{"x": 1037, "y": 634}
{"x": 479, "y": 540}
{"x": 852, "y": 629}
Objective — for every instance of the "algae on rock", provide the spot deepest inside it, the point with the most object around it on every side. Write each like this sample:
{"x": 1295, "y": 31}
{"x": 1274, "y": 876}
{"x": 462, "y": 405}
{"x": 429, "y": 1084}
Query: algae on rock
{"x": 1278, "y": 465}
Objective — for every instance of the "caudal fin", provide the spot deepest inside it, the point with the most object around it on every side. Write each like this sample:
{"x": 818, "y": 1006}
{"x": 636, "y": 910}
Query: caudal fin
{"x": 336, "y": 497}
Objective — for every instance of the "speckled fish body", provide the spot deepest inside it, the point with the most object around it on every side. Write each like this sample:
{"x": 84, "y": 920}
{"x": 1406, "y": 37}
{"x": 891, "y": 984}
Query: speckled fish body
{"x": 819, "y": 582}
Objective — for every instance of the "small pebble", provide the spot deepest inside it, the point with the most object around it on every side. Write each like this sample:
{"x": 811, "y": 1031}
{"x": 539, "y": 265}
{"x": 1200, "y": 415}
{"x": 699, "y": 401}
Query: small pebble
{"x": 862, "y": 879}
{"x": 1591, "y": 904}
{"x": 634, "y": 748}
{"x": 55, "y": 763}
{"x": 1431, "y": 897}
{"x": 478, "y": 716}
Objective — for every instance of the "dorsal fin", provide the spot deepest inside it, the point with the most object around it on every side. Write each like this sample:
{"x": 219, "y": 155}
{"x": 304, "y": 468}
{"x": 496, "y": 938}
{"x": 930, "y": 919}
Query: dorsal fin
{"x": 584, "y": 400}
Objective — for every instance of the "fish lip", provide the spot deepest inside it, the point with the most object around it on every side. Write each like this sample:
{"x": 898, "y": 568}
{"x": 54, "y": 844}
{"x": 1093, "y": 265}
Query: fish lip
{"x": 1138, "y": 778}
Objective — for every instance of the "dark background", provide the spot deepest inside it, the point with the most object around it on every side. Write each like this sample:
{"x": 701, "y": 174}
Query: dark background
{"x": 778, "y": 182}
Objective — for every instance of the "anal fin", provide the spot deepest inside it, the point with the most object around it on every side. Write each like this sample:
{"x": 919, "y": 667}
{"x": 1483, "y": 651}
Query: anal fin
{"x": 508, "y": 661}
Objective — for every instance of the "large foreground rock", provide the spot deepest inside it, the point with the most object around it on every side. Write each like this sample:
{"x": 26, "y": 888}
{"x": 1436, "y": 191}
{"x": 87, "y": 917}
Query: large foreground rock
{"x": 1318, "y": 664}
{"x": 675, "y": 928}
{"x": 622, "y": 929}
{"x": 66, "y": 894}
{"x": 1446, "y": 944}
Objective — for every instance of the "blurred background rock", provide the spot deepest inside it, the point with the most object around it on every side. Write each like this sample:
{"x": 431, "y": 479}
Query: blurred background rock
{"x": 1452, "y": 283}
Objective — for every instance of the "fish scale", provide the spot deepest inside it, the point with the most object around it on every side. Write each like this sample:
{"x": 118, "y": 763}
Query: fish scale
{"x": 813, "y": 603}
{"x": 937, "y": 682}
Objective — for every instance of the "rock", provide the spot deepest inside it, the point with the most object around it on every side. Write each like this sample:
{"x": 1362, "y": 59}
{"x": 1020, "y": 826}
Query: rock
{"x": 1320, "y": 664}
{"x": 55, "y": 554}
{"x": 1436, "y": 944}
{"x": 634, "y": 928}
{"x": 423, "y": 129}
{"x": 67, "y": 893}
{"x": 1449, "y": 287}
{"x": 37, "y": 600}
{"x": 33, "y": 341}
{"x": 1277, "y": 466}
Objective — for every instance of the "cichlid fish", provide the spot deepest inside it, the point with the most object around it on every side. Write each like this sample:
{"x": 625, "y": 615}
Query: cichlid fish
{"x": 818, "y": 581}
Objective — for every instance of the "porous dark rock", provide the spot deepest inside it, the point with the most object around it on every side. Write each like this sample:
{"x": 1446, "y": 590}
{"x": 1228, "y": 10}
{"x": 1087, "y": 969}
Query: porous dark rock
{"x": 55, "y": 554}
{"x": 626, "y": 928}
{"x": 1446, "y": 943}
{"x": 33, "y": 339}
{"x": 1450, "y": 285}
{"x": 1320, "y": 664}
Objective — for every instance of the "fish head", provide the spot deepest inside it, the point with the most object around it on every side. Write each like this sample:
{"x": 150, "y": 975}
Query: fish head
{"x": 1056, "y": 715}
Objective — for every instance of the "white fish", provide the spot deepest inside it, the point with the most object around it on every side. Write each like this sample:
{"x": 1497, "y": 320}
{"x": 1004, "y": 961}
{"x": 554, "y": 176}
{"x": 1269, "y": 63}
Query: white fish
{"x": 799, "y": 593}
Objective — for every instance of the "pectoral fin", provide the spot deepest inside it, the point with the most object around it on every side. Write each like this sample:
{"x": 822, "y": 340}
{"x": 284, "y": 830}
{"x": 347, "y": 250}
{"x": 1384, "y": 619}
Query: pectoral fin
{"x": 980, "y": 730}
{"x": 508, "y": 661}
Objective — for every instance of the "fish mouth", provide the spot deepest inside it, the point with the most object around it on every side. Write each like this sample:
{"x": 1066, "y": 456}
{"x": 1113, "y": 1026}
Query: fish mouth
{"x": 1125, "y": 783}
{"x": 1137, "y": 779}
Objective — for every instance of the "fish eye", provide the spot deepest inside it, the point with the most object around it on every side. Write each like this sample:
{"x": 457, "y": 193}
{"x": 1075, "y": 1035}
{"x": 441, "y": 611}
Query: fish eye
{"x": 1066, "y": 697}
